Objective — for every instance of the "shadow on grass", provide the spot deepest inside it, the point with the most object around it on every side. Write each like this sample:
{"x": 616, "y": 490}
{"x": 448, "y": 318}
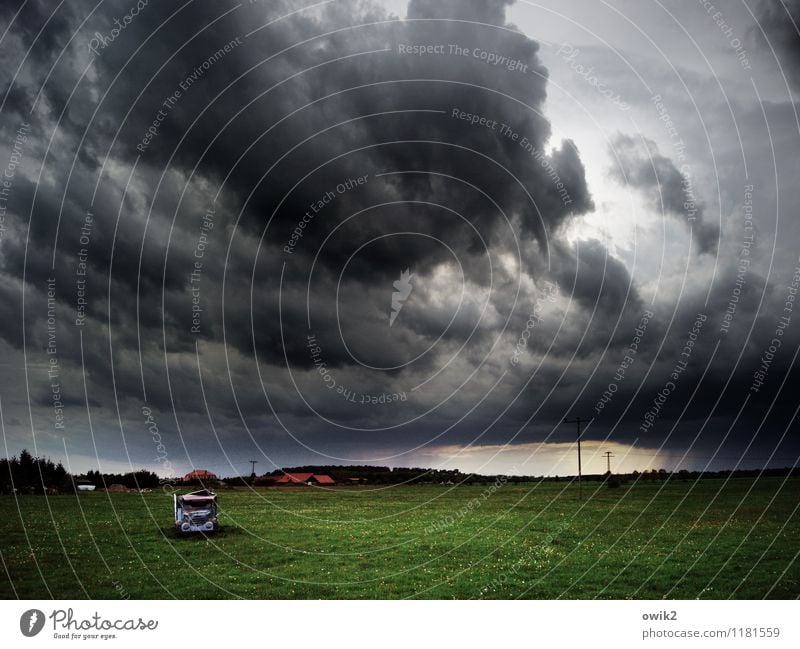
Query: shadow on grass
{"x": 228, "y": 531}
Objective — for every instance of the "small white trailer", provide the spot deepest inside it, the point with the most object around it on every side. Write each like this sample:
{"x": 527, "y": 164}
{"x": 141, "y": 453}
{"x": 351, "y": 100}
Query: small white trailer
{"x": 196, "y": 512}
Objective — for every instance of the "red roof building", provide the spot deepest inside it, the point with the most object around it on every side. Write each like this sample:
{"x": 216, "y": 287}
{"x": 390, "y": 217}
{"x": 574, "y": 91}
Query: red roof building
{"x": 199, "y": 474}
{"x": 304, "y": 478}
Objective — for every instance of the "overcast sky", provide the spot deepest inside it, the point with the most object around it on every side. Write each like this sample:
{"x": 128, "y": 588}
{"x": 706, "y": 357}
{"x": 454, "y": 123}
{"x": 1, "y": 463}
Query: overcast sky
{"x": 407, "y": 234}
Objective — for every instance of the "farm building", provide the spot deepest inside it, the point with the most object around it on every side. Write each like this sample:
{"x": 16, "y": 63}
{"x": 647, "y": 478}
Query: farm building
{"x": 304, "y": 478}
{"x": 199, "y": 474}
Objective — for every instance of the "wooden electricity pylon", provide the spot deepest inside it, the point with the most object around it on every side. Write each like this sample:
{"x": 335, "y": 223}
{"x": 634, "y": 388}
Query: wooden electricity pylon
{"x": 253, "y": 472}
{"x": 578, "y": 422}
{"x": 608, "y": 455}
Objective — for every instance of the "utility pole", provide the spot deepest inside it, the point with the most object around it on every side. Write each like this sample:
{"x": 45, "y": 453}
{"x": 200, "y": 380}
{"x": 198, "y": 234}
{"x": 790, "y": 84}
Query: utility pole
{"x": 608, "y": 455}
{"x": 253, "y": 472}
{"x": 578, "y": 422}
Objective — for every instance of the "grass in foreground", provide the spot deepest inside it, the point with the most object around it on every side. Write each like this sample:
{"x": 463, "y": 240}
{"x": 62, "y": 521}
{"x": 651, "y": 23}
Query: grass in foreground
{"x": 677, "y": 540}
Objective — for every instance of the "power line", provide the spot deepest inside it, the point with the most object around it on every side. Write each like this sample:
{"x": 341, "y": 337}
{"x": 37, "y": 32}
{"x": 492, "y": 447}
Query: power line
{"x": 578, "y": 421}
{"x": 609, "y": 455}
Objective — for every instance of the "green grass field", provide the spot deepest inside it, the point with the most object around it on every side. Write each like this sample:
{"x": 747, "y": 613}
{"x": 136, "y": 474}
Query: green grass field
{"x": 679, "y": 540}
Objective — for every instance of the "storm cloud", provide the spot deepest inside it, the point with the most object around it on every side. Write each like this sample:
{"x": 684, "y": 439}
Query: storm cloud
{"x": 672, "y": 191}
{"x": 214, "y": 204}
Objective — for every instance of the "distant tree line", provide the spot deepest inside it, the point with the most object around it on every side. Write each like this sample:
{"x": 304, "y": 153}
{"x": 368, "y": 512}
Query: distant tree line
{"x": 26, "y": 474}
{"x": 662, "y": 475}
{"x": 383, "y": 474}
{"x": 387, "y": 475}
{"x": 141, "y": 479}
{"x": 34, "y": 475}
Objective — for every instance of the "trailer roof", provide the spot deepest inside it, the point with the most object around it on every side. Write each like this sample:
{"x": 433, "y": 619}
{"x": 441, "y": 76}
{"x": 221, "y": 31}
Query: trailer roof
{"x": 198, "y": 496}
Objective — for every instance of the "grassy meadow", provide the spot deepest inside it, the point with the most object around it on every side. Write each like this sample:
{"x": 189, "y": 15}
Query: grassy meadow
{"x": 678, "y": 540}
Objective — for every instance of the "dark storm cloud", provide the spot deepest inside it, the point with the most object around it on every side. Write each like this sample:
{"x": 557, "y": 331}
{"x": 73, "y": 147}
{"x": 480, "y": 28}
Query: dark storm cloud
{"x": 284, "y": 117}
{"x": 780, "y": 22}
{"x": 376, "y": 101}
{"x": 641, "y": 166}
{"x": 42, "y": 30}
{"x": 489, "y": 11}
{"x": 470, "y": 85}
{"x": 595, "y": 279}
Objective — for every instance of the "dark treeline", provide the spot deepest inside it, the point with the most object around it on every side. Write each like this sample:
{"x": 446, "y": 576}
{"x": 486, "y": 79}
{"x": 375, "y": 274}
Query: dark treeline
{"x": 684, "y": 474}
{"x": 662, "y": 475}
{"x": 387, "y": 475}
{"x": 384, "y": 474}
{"x": 30, "y": 475}
{"x": 27, "y": 474}
{"x": 141, "y": 479}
